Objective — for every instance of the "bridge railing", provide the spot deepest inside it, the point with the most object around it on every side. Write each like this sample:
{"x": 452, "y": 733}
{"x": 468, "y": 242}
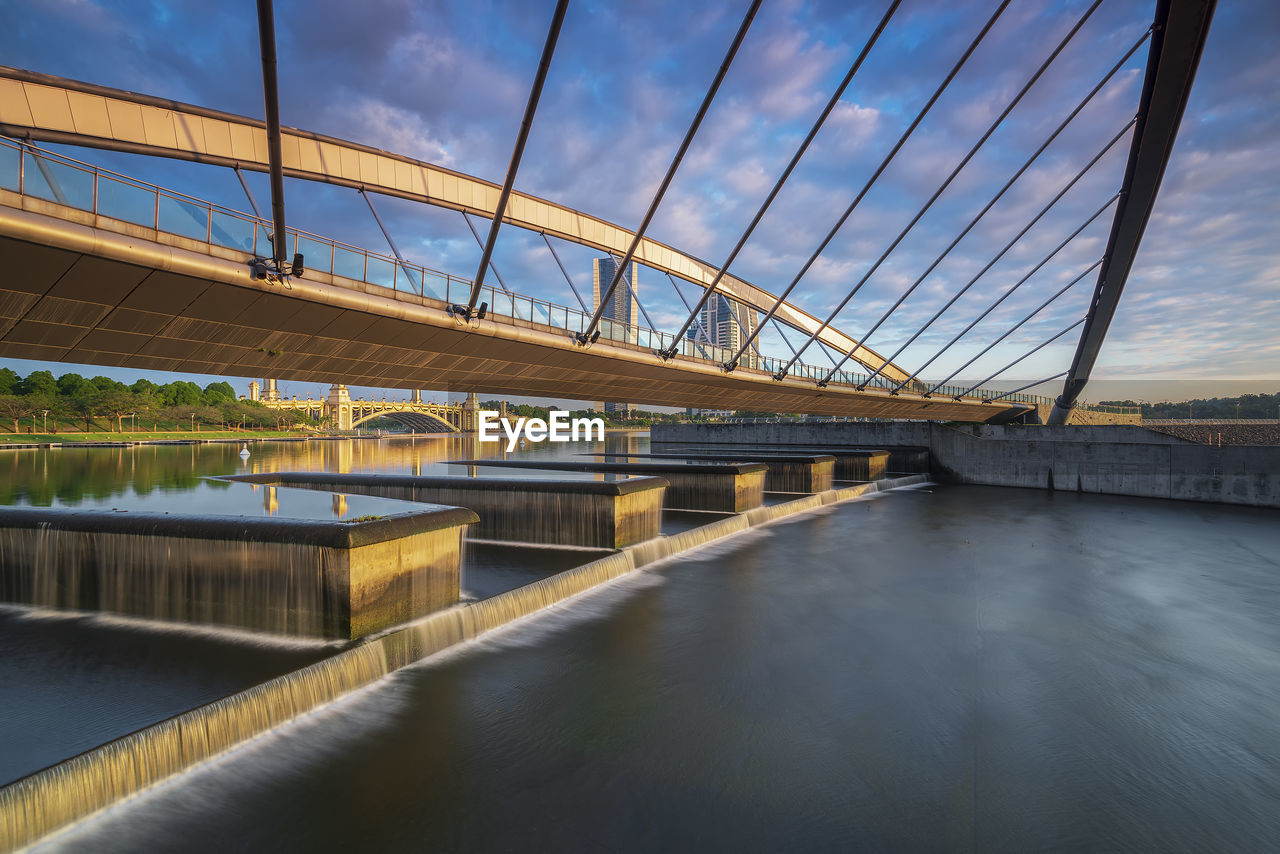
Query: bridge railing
{"x": 29, "y": 170}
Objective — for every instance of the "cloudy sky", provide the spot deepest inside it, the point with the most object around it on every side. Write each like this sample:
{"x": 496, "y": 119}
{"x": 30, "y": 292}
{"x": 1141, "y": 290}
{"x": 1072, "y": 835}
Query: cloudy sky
{"x": 446, "y": 82}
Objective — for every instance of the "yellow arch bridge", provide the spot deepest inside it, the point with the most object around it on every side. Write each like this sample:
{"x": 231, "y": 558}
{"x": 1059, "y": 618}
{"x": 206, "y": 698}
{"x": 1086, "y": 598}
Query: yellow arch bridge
{"x": 339, "y": 411}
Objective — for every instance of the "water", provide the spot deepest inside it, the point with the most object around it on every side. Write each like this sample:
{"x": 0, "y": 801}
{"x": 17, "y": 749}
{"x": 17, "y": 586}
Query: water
{"x": 69, "y": 682}
{"x": 954, "y": 668}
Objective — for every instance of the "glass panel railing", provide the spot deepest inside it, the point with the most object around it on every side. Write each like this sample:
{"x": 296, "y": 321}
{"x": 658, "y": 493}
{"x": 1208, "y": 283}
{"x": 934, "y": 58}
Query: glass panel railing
{"x": 380, "y": 271}
{"x": 500, "y": 303}
{"x": 228, "y": 229}
{"x": 433, "y": 285}
{"x": 348, "y": 263}
{"x": 10, "y": 167}
{"x": 184, "y": 218}
{"x": 58, "y": 182}
{"x": 125, "y": 201}
{"x": 315, "y": 254}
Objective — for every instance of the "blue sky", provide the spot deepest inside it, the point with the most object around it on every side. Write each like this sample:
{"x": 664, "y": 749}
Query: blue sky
{"x": 446, "y": 82}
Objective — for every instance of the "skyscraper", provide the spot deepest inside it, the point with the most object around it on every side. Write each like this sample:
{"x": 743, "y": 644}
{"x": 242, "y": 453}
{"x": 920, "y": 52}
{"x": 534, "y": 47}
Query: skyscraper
{"x": 621, "y": 308}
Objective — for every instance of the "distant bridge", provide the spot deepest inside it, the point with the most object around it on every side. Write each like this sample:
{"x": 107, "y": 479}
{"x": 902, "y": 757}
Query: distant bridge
{"x": 340, "y": 412}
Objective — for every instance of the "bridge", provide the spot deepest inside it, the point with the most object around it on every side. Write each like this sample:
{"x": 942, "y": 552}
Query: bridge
{"x": 109, "y": 270}
{"x": 341, "y": 412}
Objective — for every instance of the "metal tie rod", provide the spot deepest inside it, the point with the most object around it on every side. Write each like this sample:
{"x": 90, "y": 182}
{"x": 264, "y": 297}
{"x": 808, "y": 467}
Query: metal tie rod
{"x": 565, "y": 272}
{"x": 884, "y": 164}
{"x": 1027, "y": 386}
{"x": 635, "y": 295}
{"x": 928, "y": 205}
{"x": 701, "y": 328}
{"x": 590, "y": 334}
{"x": 530, "y": 107}
{"x": 1045, "y": 260}
{"x": 458, "y": 310}
{"x": 1012, "y": 329}
{"x": 395, "y": 250}
{"x": 1030, "y": 352}
{"x": 777, "y": 187}
{"x": 1014, "y": 241}
{"x": 976, "y": 219}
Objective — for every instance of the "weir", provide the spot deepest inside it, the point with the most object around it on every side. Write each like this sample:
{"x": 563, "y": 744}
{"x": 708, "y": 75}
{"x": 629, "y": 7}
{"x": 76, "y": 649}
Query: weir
{"x": 598, "y": 514}
{"x": 721, "y": 487}
{"x": 288, "y": 576}
{"x": 786, "y": 472}
{"x": 74, "y": 789}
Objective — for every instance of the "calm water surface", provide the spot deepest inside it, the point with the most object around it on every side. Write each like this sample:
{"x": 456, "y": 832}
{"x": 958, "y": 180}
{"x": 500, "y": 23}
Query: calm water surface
{"x": 951, "y": 669}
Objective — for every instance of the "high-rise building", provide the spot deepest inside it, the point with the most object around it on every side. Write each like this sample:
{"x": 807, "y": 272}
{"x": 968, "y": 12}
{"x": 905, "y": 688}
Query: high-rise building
{"x": 727, "y": 323}
{"x": 621, "y": 308}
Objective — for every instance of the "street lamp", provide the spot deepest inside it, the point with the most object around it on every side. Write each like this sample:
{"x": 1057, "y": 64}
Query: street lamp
{"x": 193, "y": 422}
{"x": 44, "y": 425}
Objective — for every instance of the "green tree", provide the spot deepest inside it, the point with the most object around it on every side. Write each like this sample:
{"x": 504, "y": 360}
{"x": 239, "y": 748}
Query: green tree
{"x": 74, "y": 385}
{"x": 219, "y": 392}
{"x": 180, "y": 393}
{"x": 106, "y": 384}
{"x": 39, "y": 383}
{"x": 144, "y": 386}
{"x": 9, "y": 380}
{"x": 15, "y": 407}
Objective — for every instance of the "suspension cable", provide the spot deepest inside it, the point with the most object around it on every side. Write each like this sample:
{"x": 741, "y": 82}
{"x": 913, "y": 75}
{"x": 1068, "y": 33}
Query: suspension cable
{"x": 565, "y": 272}
{"x": 884, "y": 164}
{"x": 1016, "y": 285}
{"x": 982, "y": 213}
{"x": 782, "y": 179}
{"x": 530, "y": 107}
{"x": 1084, "y": 170}
{"x": 1012, "y": 329}
{"x": 1030, "y": 352}
{"x": 588, "y": 335}
{"x": 959, "y": 167}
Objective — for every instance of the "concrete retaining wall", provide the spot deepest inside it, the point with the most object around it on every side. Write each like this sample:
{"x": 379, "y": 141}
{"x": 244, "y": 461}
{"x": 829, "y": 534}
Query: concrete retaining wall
{"x": 1118, "y": 460}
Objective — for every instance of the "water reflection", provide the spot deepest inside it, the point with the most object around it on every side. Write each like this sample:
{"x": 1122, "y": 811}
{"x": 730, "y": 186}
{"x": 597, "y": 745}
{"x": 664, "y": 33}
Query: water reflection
{"x": 69, "y": 476}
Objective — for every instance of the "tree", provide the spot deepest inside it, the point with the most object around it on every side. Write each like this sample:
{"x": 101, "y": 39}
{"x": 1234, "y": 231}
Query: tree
{"x": 74, "y": 385}
{"x": 219, "y": 392}
{"x": 117, "y": 404}
{"x": 106, "y": 384}
{"x": 15, "y": 407}
{"x": 9, "y": 380}
{"x": 144, "y": 386}
{"x": 180, "y": 393}
{"x": 38, "y": 382}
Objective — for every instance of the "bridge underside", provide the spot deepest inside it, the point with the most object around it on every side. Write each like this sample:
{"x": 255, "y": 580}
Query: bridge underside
{"x": 123, "y": 295}
{"x": 418, "y": 422}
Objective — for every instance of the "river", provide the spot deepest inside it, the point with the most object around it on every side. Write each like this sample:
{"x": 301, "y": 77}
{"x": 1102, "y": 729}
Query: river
{"x": 935, "y": 669}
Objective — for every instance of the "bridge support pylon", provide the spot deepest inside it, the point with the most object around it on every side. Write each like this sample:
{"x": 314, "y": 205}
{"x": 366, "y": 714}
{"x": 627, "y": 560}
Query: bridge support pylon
{"x": 338, "y": 406}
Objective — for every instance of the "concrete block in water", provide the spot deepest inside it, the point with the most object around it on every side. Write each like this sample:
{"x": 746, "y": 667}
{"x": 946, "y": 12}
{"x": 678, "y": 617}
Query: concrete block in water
{"x": 722, "y": 487}
{"x": 289, "y": 576}
{"x": 599, "y": 514}
{"x": 787, "y": 472}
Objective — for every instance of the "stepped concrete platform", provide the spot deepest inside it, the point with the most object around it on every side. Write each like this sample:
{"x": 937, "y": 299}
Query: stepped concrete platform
{"x": 808, "y": 473}
{"x": 308, "y": 577}
{"x": 721, "y": 487}
{"x": 562, "y": 512}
